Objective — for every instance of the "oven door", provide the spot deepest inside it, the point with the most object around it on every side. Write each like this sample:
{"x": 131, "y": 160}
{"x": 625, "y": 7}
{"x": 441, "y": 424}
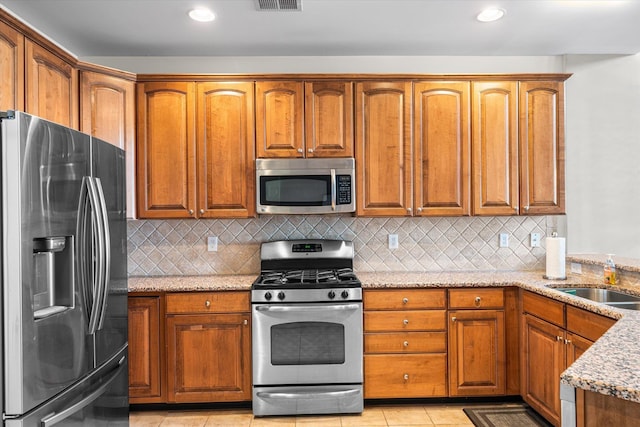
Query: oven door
{"x": 307, "y": 343}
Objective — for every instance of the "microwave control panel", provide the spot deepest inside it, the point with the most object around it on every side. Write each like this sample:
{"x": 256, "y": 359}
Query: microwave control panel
{"x": 344, "y": 190}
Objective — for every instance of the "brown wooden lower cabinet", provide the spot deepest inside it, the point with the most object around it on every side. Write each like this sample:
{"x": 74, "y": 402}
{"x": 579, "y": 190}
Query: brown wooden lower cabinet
{"x": 597, "y": 410}
{"x": 208, "y": 357}
{"x": 554, "y": 335}
{"x": 145, "y": 354}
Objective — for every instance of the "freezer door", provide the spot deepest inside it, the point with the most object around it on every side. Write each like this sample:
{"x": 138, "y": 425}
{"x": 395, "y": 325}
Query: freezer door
{"x": 100, "y": 399}
{"x": 108, "y": 169}
{"x": 44, "y": 337}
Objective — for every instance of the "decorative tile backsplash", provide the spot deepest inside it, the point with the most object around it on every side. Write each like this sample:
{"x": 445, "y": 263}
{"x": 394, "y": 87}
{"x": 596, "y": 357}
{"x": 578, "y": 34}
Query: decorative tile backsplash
{"x": 179, "y": 247}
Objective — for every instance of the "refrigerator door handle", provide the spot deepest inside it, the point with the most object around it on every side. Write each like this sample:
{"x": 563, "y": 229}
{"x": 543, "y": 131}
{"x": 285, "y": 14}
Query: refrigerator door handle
{"x": 106, "y": 252}
{"x": 82, "y": 248}
{"x": 55, "y": 418}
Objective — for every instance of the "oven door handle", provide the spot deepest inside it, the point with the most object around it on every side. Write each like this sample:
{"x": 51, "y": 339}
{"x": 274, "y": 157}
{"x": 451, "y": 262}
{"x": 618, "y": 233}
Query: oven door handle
{"x": 321, "y": 395}
{"x": 307, "y": 308}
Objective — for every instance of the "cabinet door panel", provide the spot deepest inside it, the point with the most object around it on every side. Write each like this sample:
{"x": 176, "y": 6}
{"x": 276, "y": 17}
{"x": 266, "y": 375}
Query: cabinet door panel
{"x": 226, "y": 150}
{"x": 279, "y": 119}
{"x": 328, "y": 119}
{"x": 11, "y": 68}
{"x": 495, "y": 148}
{"x": 145, "y": 355}
{"x": 542, "y": 181}
{"x": 166, "y": 150}
{"x": 543, "y": 362}
{"x": 442, "y": 148}
{"x": 383, "y": 148}
{"x": 107, "y": 111}
{"x": 476, "y": 353}
{"x": 51, "y": 86}
{"x": 208, "y": 358}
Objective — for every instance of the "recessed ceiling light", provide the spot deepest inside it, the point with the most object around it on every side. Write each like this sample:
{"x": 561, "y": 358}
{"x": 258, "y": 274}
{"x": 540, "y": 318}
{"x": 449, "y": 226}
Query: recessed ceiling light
{"x": 202, "y": 15}
{"x": 490, "y": 15}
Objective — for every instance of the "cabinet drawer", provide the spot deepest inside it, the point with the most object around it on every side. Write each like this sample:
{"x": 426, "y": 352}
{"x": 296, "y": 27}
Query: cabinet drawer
{"x": 406, "y": 342}
{"x": 476, "y": 298}
{"x": 208, "y": 302}
{"x": 410, "y": 320}
{"x": 404, "y": 299}
{"x": 586, "y": 324}
{"x": 405, "y": 375}
{"x": 545, "y": 308}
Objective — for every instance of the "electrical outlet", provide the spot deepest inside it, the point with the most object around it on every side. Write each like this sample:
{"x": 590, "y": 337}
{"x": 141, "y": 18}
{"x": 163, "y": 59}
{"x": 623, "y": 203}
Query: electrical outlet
{"x": 212, "y": 243}
{"x": 504, "y": 240}
{"x": 576, "y": 268}
{"x": 393, "y": 241}
{"x": 535, "y": 240}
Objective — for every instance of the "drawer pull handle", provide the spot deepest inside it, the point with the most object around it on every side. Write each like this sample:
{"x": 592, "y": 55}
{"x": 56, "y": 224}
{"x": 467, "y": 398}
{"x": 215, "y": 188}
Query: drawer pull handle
{"x": 406, "y": 377}
{"x": 477, "y": 300}
{"x": 207, "y": 303}
{"x": 406, "y": 343}
{"x": 405, "y": 300}
{"x": 405, "y": 321}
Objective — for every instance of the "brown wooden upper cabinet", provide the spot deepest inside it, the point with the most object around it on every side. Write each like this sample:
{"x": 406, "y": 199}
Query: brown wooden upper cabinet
{"x": 11, "y": 68}
{"x": 495, "y": 147}
{"x": 51, "y": 86}
{"x": 442, "y": 150}
{"x": 383, "y": 148}
{"x": 107, "y": 111}
{"x": 304, "y": 119}
{"x": 542, "y": 181}
{"x": 195, "y": 161}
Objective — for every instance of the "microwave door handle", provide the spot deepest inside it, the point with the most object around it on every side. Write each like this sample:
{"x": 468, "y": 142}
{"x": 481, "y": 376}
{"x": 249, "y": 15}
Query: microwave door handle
{"x": 333, "y": 189}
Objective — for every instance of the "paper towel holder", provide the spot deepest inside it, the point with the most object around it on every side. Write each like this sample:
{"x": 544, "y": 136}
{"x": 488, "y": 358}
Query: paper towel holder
{"x": 545, "y": 276}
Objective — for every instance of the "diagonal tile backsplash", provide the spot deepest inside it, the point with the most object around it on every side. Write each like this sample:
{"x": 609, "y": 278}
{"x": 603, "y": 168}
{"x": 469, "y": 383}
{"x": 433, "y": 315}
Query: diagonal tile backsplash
{"x": 179, "y": 247}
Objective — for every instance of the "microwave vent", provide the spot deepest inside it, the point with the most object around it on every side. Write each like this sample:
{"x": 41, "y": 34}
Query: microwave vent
{"x": 279, "y": 5}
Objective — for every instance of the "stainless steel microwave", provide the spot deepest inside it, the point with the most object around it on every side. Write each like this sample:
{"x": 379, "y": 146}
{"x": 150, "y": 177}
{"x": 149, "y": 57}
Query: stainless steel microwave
{"x": 305, "y": 186}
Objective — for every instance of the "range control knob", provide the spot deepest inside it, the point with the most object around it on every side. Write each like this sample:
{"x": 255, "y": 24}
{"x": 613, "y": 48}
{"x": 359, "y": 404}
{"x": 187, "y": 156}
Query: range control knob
{"x": 331, "y": 295}
{"x": 268, "y": 296}
{"x": 345, "y": 294}
{"x": 280, "y": 295}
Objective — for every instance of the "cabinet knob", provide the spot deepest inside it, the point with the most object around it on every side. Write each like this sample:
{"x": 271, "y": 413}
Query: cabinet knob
{"x": 419, "y": 210}
{"x": 559, "y": 338}
{"x": 207, "y": 303}
{"x": 409, "y": 210}
{"x": 310, "y": 150}
{"x": 406, "y": 377}
{"x": 190, "y": 211}
{"x": 405, "y": 300}
{"x": 406, "y": 343}
{"x": 567, "y": 341}
{"x": 526, "y": 208}
{"x": 405, "y": 321}
{"x": 453, "y": 319}
{"x": 477, "y": 301}
{"x": 201, "y": 211}
{"x": 299, "y": 150}
{"x": 245, "y": 322}
{"x": 515, "y": 209}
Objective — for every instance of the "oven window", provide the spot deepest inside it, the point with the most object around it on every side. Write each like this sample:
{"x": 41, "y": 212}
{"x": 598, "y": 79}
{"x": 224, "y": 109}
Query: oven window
{"x": 307, "y": 343}
{"x": 300, "y": 190}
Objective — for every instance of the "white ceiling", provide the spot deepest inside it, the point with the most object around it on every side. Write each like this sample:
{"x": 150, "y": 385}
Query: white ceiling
{"x": 335, "y": 27}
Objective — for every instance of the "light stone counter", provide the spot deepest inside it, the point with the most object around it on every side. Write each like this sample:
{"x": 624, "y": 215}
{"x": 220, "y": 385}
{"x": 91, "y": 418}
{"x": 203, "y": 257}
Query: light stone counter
{"x": 611, "y": 366}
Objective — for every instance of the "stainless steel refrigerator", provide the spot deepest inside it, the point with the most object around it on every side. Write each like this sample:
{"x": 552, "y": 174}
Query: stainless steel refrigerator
{"x": 64, "y": 277}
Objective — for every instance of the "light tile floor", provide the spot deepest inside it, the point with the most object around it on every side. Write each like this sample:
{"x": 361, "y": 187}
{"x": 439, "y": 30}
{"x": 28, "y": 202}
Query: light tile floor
{"x": 373, "y": 416}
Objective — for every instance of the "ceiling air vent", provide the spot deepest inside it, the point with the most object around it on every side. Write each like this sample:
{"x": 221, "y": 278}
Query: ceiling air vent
{"x": 279, "y": 5}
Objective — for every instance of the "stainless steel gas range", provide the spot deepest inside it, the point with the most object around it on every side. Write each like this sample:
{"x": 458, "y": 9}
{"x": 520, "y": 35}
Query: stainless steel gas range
{"x": 307, "y": 329}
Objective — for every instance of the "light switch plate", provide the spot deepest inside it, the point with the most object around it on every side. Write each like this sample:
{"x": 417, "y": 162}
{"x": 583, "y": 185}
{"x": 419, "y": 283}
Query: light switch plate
{"x": 504, "y": 240}
{"x": 393, "y": 241}
{"x": 535, "y": 240}
{"x": 212, "y": 243}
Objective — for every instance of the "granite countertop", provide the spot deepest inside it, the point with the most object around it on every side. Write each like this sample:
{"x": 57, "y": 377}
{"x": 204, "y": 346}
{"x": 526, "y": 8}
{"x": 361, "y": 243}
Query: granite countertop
{"x": 611, "y": 366}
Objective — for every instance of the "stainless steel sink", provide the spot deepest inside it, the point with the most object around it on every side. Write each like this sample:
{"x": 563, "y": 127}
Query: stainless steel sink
{"x": 606, "y": 296}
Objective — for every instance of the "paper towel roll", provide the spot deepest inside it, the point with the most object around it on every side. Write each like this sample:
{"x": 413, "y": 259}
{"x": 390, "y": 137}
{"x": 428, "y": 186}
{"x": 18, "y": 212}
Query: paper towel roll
{"x": 555, "y": 258}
